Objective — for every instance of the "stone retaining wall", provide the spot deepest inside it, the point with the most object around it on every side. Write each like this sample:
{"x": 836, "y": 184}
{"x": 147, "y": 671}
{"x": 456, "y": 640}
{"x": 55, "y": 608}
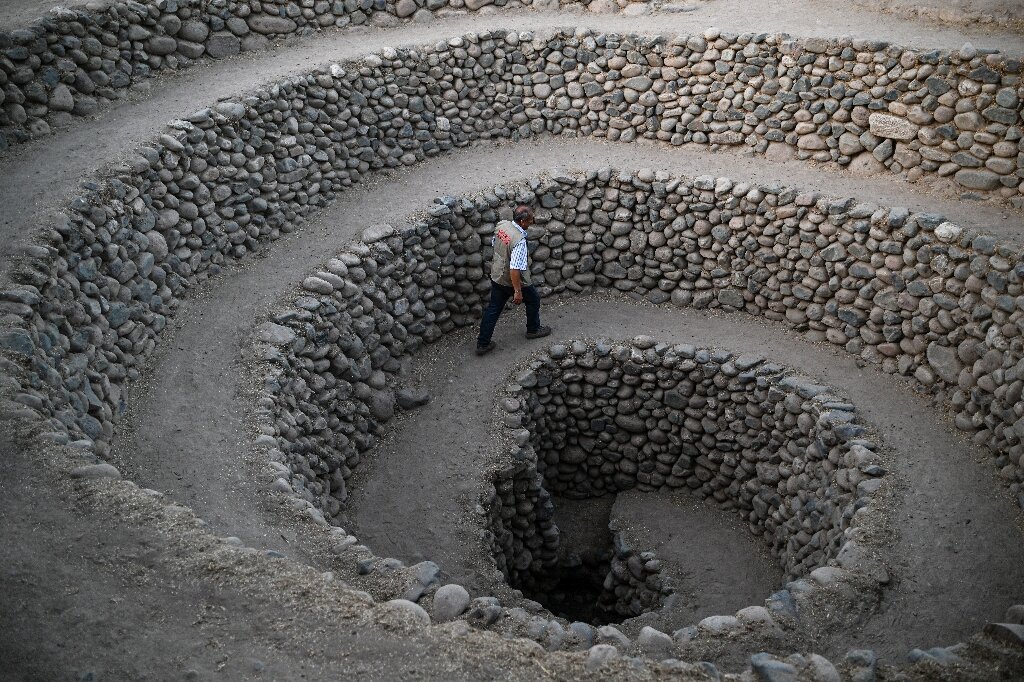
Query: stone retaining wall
{"x": 635, "y": 584}
{"x": 599, "y": 419}
{"x": 920, "y": 296}
{"x": 525, "y": 543}
{"x": 858, "y": 102}
{"x": 70, "y": 61}
{"x": 783, "y": 452}
{"x": 916, "y": 294}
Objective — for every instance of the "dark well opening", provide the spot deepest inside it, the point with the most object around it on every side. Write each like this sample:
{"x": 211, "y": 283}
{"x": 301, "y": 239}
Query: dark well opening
{"x": 591, "y": 421}
{"x": 597, "y": 577}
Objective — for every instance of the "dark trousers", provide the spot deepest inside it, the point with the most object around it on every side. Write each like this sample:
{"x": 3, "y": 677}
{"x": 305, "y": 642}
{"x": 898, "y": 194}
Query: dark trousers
{"x": 500, "y": 295}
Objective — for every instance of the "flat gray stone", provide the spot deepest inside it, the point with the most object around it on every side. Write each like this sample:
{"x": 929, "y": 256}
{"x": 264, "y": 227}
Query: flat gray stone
{"x": 194, "y": 31}
{"x": 977, "y": 179}
{"x": 944, "y": 360}
{"x": 376, "y": 233}
{"x": 892, "y": 127}
{"x": 600, "y": 654}
{"x": 230, "y": 110}
{"x": 61, "y": 99}
{"x": 719, "y": 623}
{"x": 222, "y": 45}
{"x": 948, "y": 232}
{"x": 101, "y": 470}
{"x": 411, "y": 398}
{"x": 271, "y": 332}
{"x": 768, "y": 669}
{"x": 17, "y": 340}
{"x": 821, "y": 669}
{"x": 161, "y": 45}
{"x": 1010, "y": 633}
{"x": 268, "y": 25}
{"x": 654, "y": 641}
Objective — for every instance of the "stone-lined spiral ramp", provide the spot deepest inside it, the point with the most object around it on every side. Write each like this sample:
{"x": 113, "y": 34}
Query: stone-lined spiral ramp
{"x": 155, "y": 570}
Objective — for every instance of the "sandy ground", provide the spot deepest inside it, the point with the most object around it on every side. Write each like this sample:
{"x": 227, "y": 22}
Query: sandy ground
{"x": 88, "y": 592}
{"x": 408, "y": 499}
{"x": 1006, "y": 13}
{"x": 168, "y": 446}
{"x": 18, "y": 13}
{"x": 84, "y": 591}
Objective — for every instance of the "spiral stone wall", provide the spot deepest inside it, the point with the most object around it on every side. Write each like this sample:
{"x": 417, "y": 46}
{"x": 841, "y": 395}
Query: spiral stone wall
{"x": 877, "y": 106}
{"x": 918, "y": 295}
{"x": 783, "y": 452}
{"x": 598, "y": 419}
{"x": 744, "y": 248}
{"x": 69, "y": 62}
{"x": 921, "y": 296}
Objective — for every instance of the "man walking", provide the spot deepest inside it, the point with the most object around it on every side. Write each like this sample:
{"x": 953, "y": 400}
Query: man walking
{"x": 510, "y": 278}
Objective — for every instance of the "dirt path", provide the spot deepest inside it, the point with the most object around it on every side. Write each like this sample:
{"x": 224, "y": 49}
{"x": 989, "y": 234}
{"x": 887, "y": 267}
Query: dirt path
{"x": 86, "y": 594}
{"x": 18, "y": 13}
{"x": 959, "y": 553}
{"x": 186, "y": 436}
{"x": 716, "y": 565}
{"x": 83, "y": 591}
{"x": 37, "y": 178}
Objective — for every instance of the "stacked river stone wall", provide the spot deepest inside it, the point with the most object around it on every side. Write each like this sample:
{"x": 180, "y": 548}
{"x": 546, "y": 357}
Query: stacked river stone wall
{"x": 70, "y": 61}
{"x": 603, "y": 418}
{"x": 525, "y": 542}
{"x": 921, "y": 296}
{"x": 634, "y": 584}
{"x": 91, "y": 297}
{"x": 877, "y": 106}
{"x": 916, "y": 294}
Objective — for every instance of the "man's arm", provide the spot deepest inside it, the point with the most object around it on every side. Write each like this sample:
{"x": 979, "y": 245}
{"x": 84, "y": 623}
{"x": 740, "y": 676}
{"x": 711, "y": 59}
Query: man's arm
{"x": 517, "y": 264}
{"x": 517, "y": 285}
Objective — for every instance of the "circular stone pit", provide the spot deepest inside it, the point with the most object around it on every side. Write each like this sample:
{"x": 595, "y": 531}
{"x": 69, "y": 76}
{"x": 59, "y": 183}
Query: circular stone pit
{"x": 598, "y": 419}
{"x": 797, "y": 470}
{"x": 86, "y": 318}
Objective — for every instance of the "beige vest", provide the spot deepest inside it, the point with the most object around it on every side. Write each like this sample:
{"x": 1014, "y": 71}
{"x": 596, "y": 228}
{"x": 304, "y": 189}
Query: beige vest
{"x": 506, "y": 236}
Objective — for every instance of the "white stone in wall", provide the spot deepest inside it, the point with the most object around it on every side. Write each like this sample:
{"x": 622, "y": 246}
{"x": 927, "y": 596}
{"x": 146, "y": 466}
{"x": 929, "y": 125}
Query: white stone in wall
{"x": 892, "y": 127}
{"x": 948, "y": 232}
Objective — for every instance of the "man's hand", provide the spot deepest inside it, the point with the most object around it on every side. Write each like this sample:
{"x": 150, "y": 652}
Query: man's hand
{"x": 517, "y": 285}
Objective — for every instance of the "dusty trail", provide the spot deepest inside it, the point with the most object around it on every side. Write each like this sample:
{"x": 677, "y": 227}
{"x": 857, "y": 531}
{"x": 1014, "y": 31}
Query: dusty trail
{"x": 187, "y": 435}
{"x": 87, "y": 595}
{"x": 85, "y": 592}
{"x": 18, "y": 13}
{"x": 959, "y": 563}
{"x": 36, "y": 178}
{"x": 716, "y": 564}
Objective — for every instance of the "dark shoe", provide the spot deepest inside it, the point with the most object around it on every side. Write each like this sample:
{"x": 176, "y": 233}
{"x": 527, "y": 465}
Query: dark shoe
{"x": 541, "y": 331}
{"x": 483, "y": 350}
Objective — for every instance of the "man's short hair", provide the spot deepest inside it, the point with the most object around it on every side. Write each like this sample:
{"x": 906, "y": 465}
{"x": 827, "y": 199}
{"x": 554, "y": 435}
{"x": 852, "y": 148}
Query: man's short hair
{"x": 522, "y": 212}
